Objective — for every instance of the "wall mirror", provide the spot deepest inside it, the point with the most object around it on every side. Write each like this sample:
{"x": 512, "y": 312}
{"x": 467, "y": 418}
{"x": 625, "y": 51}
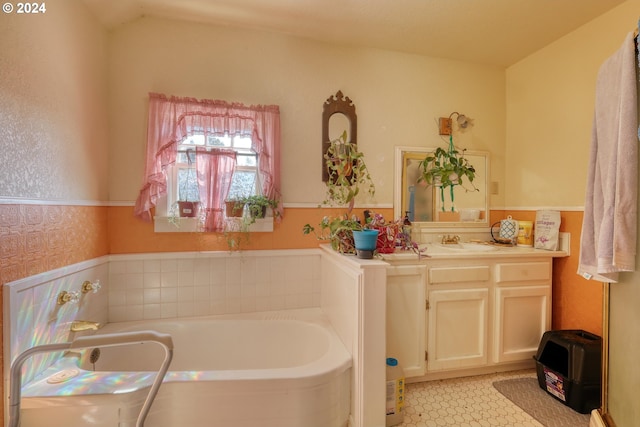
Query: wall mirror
{"x": 424, "y": 203}
{"x": 338, "y": 115}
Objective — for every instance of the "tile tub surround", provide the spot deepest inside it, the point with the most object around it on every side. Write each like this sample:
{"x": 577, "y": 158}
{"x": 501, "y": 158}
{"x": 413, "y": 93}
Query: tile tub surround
{"x": 158, "y": 286}
{"x": 154, "y": 286}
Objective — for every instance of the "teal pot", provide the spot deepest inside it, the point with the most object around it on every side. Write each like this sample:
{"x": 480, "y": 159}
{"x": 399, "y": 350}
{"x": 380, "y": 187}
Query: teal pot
{"x": 365, "y": 242}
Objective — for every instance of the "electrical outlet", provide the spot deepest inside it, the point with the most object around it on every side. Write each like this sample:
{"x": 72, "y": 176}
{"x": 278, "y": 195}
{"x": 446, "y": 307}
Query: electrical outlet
{"x": 445, "y": 125}
{"x": 495, "y": 188}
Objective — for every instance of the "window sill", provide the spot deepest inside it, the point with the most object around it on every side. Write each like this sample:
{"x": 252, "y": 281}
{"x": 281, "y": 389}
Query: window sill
{"x": 161, "y": 224}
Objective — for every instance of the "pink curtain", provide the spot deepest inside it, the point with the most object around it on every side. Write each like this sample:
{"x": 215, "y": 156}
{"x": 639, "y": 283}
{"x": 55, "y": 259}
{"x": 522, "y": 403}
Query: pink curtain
{"x": 214, "y": 170}
{"x": 171, "y": 119}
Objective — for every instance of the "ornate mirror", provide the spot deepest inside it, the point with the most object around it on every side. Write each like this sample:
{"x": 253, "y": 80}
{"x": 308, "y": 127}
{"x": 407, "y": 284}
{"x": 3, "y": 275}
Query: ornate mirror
{"x": 471, "y": 208}
{"x": 338, "y": 115}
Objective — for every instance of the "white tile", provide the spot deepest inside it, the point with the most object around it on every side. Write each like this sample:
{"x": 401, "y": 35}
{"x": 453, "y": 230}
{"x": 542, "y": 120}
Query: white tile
{"x": 169, "y": 279}
{"x": 168, "y": 310}
{"x": 136, "y": 266}
{"x": 151, "y": 280}
{"x": 134, "y": 296}
{"x": 152, "y": 266}
{"x": 201, "y": 278}
{"x": 201, "y": 293}
{"x": 135, "y": 312}
{"x": 186, "y": 264}
{"x": 151, "y": 311}
{"x": 168, "y": 295}
{"x": 168, "y": 265}
{"x": 117, "y": 298}
{"x": 185, "y": 294}
{"x": 151, "y": 296}
{"x": 185, "y": 278}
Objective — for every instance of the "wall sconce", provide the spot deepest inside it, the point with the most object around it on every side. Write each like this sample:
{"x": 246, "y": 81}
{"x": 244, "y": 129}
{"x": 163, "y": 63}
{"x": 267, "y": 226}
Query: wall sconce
{"x": 445, "y": 123}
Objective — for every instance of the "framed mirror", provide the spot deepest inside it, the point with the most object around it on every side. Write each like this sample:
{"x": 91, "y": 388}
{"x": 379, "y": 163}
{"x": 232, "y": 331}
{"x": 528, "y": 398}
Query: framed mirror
{"x": 424, "y": 203}
{"x": 338, "y": 115}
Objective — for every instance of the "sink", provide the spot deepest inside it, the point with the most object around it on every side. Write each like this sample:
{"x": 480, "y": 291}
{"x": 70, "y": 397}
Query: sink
{"x": 462, "y": 247}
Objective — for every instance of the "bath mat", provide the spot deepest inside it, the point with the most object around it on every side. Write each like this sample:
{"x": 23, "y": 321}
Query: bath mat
{"x": 527, "y": 394}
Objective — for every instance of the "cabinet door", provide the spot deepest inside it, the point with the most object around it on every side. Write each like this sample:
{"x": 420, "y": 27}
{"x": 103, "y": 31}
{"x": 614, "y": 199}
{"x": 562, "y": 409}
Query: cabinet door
{"x": 406, "y": 317}
{"x": 457, "y": 331}
{"x": 522, "y": 315}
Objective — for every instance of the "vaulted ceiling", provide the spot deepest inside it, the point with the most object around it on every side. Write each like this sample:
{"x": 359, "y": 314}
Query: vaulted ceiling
{"x": 498, "y": 32}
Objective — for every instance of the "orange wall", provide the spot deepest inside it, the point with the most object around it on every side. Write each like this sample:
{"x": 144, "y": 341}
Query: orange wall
{"x": 577, "y": 302}
{"x": 128, "y": 234}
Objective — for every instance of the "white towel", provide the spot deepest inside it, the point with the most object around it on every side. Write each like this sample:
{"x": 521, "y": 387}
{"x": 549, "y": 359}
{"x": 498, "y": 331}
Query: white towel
{"x": 608, "y": 241}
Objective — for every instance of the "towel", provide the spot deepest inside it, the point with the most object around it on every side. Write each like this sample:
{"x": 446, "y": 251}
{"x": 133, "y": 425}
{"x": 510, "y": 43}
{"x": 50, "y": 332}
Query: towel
{"x": 608, "y": 241}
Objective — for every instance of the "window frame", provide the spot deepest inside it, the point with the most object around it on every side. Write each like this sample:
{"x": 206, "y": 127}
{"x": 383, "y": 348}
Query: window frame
{"x": 164, "y": 221}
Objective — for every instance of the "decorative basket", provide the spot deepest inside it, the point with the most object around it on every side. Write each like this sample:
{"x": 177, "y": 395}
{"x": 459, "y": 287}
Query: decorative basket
{"x": 387, "y": 239}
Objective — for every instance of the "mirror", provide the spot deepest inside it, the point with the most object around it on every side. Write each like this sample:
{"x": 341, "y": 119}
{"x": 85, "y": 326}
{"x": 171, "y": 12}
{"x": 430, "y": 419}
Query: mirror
{"x": 338, "y": 115}
{"x": 424, "y": 202}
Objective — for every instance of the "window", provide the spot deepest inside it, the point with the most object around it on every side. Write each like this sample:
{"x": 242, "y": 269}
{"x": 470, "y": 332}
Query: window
{"x": 236, "y": 149}
{"x": 245, "y": 180}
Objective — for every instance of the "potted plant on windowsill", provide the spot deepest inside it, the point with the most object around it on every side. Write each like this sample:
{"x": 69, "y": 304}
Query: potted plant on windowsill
{"x": 189, "y": 201}
{"x": 257, "y": 205}
{"x": 234, "y": 207}
{"x": 446, "y": 169}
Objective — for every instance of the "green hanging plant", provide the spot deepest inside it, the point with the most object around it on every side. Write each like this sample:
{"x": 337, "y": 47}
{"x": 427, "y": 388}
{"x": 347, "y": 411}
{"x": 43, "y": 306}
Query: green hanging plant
{"x": 446, "y": 169}
{"x": 348, "y": 173}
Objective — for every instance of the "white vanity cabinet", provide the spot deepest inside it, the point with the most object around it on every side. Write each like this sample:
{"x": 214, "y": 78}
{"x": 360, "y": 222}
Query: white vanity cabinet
{"x": 457, "y": 315}
{"x": 450, "y": 316}
{"x": 522, "y": 311}
{"x": 405, "y": 331}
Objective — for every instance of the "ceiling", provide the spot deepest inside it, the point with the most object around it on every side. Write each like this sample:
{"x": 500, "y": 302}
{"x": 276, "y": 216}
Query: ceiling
{"x": 498, "y": 32}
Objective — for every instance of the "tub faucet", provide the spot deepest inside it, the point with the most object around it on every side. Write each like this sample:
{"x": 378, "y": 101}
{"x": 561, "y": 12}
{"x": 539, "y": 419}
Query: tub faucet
{"x": 84, "y": 325}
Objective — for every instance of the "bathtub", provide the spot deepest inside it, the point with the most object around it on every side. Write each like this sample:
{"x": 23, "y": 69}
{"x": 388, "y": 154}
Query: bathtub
{"x": 279, "y": 369}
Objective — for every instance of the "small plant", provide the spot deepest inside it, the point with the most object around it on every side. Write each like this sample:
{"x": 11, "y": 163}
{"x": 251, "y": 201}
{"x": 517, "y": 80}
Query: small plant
{"x": 447, "y": 168}
{"x": 348, "y": 173}
{"x": 258, "y": 205}
{"x": 338, "y": 231}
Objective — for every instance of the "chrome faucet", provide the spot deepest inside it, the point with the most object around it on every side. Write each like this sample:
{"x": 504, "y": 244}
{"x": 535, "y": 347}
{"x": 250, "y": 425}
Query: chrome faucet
{"x": 450, "y": 240}
{"x": 84, "y": 325}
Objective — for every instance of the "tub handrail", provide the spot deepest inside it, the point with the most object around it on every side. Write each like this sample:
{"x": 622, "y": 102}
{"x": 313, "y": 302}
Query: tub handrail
{"x": 101, "y": 340}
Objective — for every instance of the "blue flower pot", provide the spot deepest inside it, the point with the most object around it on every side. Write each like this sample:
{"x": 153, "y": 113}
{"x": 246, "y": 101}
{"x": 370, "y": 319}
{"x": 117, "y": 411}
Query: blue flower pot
{"x": 366, "y": 240}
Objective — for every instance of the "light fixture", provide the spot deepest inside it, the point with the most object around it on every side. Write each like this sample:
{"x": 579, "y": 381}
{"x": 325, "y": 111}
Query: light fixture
{"x": 445, "y": 123}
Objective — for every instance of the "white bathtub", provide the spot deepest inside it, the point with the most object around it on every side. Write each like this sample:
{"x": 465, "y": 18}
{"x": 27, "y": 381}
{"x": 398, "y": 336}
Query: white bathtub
{"x": 280, "y": 369}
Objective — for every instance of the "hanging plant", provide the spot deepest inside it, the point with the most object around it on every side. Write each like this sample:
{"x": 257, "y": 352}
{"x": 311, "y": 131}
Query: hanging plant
{"x": 348, "y": 173}
{"x": 446, "y": 169}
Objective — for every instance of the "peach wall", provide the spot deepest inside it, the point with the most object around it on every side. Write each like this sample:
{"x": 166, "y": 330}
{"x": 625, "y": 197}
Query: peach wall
{"x": 577, "y": 302}
{"x": 128, "y": 234}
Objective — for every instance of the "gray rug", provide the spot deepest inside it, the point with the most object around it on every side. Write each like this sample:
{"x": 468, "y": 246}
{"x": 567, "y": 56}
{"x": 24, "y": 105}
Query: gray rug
{"x": 527, "y": 394}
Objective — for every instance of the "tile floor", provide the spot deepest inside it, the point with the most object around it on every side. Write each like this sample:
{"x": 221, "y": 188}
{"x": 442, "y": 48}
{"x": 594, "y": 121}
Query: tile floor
{"x": 464, "y": 402}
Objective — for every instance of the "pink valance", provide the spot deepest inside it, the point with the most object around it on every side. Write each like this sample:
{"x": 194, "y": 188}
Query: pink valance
{"x": 171, "y": 119}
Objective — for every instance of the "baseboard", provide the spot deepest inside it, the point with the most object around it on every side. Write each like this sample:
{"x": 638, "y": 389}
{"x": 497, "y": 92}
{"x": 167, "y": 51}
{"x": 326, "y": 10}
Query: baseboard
{"x": 599, "y": 420}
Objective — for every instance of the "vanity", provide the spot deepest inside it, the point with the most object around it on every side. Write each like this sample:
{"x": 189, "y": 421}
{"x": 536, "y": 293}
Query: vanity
{"x": 467, "y": 308}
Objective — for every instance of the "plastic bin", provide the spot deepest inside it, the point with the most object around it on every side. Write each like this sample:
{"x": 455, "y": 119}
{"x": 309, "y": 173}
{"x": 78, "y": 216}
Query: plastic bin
{"x": 569, "y": 366}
